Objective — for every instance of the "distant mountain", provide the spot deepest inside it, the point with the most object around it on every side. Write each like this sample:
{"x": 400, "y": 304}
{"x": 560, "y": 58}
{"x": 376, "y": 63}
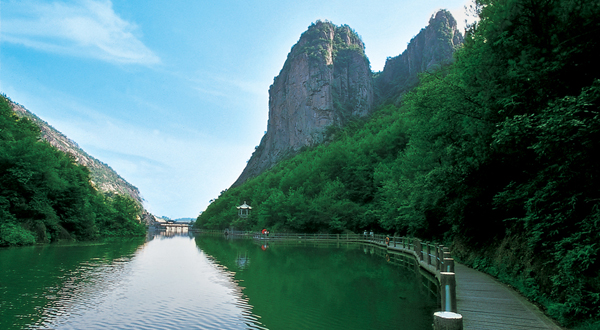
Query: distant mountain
{"x": 184, "y": 220}
{"x": 103, "y": 177}
{"x": 427, "y": 51}
{"x": 326, "y": 81}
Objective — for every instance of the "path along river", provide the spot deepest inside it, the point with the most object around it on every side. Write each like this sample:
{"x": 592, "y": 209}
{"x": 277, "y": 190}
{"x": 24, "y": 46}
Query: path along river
{"x": 208, "y": 282}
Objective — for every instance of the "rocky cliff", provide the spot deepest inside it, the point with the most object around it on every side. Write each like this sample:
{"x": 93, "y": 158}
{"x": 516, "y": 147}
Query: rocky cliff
{"x": 326, "y": 80}
{"x": 427, "y": 51}
{"x": 104, "y": 178}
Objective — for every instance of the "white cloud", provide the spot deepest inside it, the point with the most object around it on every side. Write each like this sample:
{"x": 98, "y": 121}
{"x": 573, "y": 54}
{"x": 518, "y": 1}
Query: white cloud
{"x": 251, "y": 87}
{"x": 86, "y": 28}
{"x": 463, "y": 15}
{"x": 221, "y": 85}
{"x": 211, "y": 92}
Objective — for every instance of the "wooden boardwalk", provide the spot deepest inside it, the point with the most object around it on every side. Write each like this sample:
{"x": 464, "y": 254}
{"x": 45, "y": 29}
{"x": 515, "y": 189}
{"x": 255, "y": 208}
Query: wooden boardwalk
{"x": 488, "y": 304}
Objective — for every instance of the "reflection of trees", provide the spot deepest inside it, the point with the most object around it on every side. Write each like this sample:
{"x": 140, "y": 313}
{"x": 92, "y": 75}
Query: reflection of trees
{"x": 38, "y": 279}
{"x": 322, "y": 281}
{"x": 230, "y": 251}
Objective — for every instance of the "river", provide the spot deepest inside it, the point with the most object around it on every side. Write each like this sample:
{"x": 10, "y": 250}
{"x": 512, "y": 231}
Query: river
{"x": 208, "y": 282}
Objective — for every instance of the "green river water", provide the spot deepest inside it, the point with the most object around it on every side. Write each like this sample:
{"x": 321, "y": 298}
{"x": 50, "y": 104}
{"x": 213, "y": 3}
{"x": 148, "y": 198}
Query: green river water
{"x": 208, "y": 282}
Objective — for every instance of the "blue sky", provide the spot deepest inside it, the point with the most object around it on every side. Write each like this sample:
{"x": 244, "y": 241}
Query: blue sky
{"x": 173, "y": 95}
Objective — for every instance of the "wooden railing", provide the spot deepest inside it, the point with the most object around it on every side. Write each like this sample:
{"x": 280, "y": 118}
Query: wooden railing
{"x": 434, "y": 258}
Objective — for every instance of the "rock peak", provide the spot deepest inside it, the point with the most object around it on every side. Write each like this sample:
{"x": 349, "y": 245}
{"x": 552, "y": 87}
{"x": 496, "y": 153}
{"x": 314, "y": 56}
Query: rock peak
{"x": 427, "y": 51}
{"x": 326, "y": 80}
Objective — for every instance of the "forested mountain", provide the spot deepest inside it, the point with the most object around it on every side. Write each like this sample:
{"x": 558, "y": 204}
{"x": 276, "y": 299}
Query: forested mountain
{"x": 494, "y": 154}
{"x": 45, "y": 195}
{"x": 326, "y": 82}
{"x": 102, "y": 176}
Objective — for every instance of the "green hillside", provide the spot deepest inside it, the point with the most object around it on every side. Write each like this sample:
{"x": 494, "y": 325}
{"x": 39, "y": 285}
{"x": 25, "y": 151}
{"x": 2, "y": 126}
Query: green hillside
{"x": 46, "y": 196}
{"x": 495, "y": 154}
{"x": 102, "y": 176}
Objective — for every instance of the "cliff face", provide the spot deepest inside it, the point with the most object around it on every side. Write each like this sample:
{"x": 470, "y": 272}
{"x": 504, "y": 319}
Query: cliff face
{"x": 326, "y": 80}
{"x": 104, "y": 178}
{"x": 430, "y": 49}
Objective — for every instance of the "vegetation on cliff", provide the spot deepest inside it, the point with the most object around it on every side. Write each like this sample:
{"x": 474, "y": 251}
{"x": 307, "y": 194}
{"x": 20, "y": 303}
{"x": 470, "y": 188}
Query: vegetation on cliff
{"x": 431, "y": 49}
{"x": 325, "y": 81}
{"x": 102, "y": 176}
{"x": 495, "y": 154}
{"x": 320, "y": 44}
{"x": 45, "y": 196}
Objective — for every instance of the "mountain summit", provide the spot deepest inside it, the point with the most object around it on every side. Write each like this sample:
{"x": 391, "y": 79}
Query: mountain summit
{"x": 427, "y": 51}
{"x": 327, "y": 80}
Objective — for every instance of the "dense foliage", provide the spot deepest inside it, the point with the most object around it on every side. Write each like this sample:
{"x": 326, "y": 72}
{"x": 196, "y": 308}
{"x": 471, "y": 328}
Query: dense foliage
{"x": 46, "y": 196}
{"x": 101, "y": 174}
{"x": 496, "y": 154}
{"x": 319, "y": 45}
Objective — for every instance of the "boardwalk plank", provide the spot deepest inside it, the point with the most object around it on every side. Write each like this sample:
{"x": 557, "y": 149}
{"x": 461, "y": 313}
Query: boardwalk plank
{"x": 488, "y": 304}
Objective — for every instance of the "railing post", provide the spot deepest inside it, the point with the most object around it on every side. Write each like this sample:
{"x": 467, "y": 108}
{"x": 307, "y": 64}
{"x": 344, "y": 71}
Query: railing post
{"x": 441, "y": 257}
{"x": 447, "y": 321}
{"x": 448, "y": 292}
{"x": 438, "y": 264}
{"x": 447, "y": 252}
{"x": 428, "y": 254}
{"x": 445, "y": 255}
{"x": 418, "y": 248}
{"x": 449, "y": 265}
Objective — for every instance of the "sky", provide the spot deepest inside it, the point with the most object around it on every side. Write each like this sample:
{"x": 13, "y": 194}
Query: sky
{"x": 173, "y": 95}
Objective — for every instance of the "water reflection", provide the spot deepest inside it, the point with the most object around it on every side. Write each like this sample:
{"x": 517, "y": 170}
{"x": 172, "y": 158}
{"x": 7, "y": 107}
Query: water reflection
{"x": 165, "y": 234}
{"x": 303, "y": 285}
{"x": 42, "y": 281}
{"x": 164, "y": 283}
{"x": 173, "y": 231}
{"x": 242, "y": 261}
{"x": 183, "y": 282}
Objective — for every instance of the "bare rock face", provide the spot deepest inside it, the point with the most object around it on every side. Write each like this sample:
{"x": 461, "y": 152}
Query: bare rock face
{"x": 103, "y": 177}
{"x": 428, "y": 51}
{"x": 326, "y": 80}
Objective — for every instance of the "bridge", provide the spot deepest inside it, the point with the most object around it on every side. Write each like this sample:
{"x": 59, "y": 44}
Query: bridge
{"x": 171, "y": 227}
